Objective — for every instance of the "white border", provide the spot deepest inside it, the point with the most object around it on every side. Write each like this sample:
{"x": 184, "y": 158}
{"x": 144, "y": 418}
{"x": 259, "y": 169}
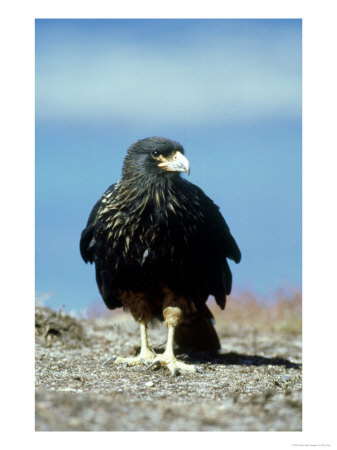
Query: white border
{"x": 319, "y": 218}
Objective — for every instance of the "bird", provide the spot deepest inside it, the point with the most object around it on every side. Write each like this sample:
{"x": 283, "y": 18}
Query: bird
{"x": 160, "y": 247}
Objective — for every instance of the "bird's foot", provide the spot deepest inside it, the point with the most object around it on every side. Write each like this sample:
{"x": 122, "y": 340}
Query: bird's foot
{"x": 144, "y": 357}
{"x": 174, "y": 366}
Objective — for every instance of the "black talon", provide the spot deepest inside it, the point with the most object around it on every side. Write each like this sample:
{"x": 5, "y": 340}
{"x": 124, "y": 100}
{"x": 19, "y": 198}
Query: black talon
{"x": 110, "y": 360}
{"x": 153, "y": 365}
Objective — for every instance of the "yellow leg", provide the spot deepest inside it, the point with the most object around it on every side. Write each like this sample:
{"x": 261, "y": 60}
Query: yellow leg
{"x": 145, "y": 356}
{"x": 145, "y": 351}
{"x": 172, "y": 316}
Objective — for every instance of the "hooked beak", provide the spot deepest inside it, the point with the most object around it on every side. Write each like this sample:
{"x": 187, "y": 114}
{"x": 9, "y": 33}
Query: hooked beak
{"x": 178, "y": 163}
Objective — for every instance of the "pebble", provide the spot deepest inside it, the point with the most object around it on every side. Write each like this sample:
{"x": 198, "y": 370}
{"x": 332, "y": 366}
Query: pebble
{"x": 161, "y": 394}
{"x": 149, "y": 384}
{"x": 74, "y": 421}
{"x": 286, "y": 377}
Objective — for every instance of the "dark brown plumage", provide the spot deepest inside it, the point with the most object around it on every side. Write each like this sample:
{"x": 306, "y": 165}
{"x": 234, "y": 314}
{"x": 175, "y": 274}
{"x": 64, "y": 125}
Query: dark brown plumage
{"x": 160, "y": 245}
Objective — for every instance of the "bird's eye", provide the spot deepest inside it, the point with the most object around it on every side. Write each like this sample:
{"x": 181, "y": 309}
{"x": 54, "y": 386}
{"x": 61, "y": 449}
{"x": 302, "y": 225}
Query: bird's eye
{"x": 155, "y": 154}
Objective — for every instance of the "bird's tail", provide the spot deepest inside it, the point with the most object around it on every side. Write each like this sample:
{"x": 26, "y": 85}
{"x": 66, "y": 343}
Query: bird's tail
{"x": 197, "y": 333}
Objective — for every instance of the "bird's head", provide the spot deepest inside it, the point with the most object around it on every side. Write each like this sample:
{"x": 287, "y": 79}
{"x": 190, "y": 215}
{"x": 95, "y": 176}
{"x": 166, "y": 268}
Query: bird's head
{"x": 155, "y": 156}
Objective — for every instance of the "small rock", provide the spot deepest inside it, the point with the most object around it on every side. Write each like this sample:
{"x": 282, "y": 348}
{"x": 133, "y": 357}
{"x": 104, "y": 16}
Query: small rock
{"x": 286, "y": 377}
{"x": 149, "y": 384}
{"x": 74, "y": 421}
{"x": 161, "y": 394}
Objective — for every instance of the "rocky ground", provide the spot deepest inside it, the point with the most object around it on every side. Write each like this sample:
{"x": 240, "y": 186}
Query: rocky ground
{"x": 253, "y": 385}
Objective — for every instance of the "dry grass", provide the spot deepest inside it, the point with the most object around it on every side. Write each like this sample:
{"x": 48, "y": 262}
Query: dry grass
{"x": 281, "y": 312}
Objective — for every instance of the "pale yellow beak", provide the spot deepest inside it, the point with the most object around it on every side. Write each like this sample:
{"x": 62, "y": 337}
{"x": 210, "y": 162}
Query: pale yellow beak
{"x": 178, "y": 163}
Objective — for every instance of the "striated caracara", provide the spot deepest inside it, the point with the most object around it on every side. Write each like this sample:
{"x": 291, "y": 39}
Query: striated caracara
{"x": 160, "y": 245}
